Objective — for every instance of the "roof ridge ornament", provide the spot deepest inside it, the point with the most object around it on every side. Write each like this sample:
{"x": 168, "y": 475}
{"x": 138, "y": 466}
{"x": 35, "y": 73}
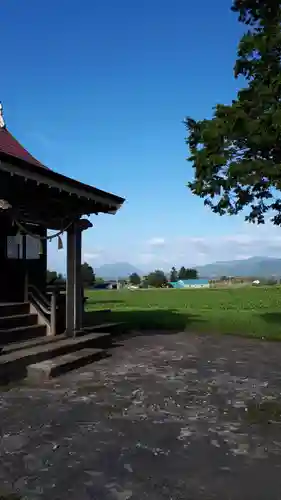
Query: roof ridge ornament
{"x": 2, "y": 121}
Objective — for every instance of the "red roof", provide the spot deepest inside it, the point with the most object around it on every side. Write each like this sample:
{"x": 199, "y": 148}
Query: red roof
{"x": 11, "y": 147}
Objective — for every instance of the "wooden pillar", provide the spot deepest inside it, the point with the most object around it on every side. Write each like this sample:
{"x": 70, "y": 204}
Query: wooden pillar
{"x": 25, "y": 268}
{"x": 54, "y": 312}
{"x": 78, "y": 306}
{"x": 70, "y": 282}
{"x": 73, "y": 283}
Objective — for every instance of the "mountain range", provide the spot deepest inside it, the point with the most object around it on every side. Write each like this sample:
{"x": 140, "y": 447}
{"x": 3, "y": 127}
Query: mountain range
{"x": 263, "y": 267}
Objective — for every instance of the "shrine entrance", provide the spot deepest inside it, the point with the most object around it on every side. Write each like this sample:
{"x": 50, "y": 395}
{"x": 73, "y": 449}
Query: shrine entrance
{"x": 34, "y": 199}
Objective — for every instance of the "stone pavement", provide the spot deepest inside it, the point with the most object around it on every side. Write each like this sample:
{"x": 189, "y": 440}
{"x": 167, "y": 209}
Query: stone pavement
{"x": 165, "y": 417}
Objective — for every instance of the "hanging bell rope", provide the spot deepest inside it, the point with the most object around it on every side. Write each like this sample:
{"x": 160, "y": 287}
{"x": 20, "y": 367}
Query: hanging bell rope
{"x": 42, "y": 238}
{"x": 5, "y": 205}
{"x": 22, "y": 229}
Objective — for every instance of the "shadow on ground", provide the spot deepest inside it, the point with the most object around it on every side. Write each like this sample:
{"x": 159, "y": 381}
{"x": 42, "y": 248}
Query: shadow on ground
{"x": 9, "y": 496}
{"x": 271, "y": 317}
{"x": 107, "y": 301}
{"x": 160, "y": 320}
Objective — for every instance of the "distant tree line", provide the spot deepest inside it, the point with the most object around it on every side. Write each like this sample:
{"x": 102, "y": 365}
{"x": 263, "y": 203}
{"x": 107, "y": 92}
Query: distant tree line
{"x": 55, "y": 278}
{"x": 158, "y": 278}
{"x": 155, "y": 279}
{"x": 183, "y": 274}
{"x": 88, "y": 276}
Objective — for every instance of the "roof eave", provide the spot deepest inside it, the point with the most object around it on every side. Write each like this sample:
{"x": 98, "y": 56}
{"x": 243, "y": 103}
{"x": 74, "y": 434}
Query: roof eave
{"x": 59, "y": 181}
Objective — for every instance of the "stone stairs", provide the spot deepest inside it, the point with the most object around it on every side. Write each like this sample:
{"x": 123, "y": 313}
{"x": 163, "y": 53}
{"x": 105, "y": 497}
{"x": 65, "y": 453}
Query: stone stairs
{"x": 17, "y": 323}
{"x": 27, "y": 352}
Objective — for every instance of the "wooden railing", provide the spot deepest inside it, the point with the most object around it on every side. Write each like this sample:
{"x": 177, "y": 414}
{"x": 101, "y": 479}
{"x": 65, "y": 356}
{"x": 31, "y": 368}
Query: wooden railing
{"x": 50, "y": 306}
{"x": 56, "y": 293}
{"x": 46, "y": 306}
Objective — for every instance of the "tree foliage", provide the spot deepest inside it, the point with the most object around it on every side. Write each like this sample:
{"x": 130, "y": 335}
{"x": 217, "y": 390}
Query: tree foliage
{"x": 51, "y": 276}
{"x": 236, "y": 155}
{"x": 54, "y": 278}
{"x": 174, "y": 275}
{"x": 99, "y": 280}
{"x": 156, "y": 279}
{"x": 135, "y": 279}
{"x": 187, "y": 274}
{"x": 88, "y": 275}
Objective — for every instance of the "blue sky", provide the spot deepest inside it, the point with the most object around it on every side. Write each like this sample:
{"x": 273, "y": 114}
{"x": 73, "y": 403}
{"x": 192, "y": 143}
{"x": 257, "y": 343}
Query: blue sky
{"x": 98, "y": 89}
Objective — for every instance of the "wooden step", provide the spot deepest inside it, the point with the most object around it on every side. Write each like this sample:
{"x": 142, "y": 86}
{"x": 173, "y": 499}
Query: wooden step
{"x": 46, "y": 339}
{"x": 26, "y": 344}
{"x": 13, "y": 364}
{"x": 50, "y": 368}
{"x": 17, "y": 320}
{"x": 19, "y": 333}
{"x": 14, "y": 308}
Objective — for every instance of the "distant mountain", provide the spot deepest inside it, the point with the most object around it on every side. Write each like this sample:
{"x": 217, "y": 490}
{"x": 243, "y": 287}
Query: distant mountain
{"x": 263, "y": 267}
{"x": 117, "y": 270}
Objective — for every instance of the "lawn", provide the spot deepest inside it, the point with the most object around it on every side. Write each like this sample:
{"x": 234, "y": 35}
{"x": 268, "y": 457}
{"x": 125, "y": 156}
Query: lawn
{"x": 253, "y": 312}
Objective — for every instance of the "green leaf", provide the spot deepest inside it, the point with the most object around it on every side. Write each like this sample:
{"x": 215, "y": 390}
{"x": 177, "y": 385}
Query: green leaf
{"x": 236, "y": 155}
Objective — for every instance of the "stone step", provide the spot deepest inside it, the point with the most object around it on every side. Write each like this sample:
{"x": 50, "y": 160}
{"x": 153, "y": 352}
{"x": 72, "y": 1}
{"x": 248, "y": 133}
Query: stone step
{"x": 26, "y": 344}
{"x": 13, "y": 365}
{"x": 14, "y": 308}
{"x": 7, "y": 322}
{"x": 50, "y": 368}
{"x": 103, "y": 326}
{"x": 19, "y": 333}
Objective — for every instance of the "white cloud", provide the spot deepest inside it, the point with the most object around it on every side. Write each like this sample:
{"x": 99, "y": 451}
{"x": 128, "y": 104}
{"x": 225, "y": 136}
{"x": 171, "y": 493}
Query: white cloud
{"x": 156, "y": 242}
{"x": 257, "y": 241}
{"x": 169, "y": 250}
{"x": 250, "y": 241}
{"x": 92, "y": 256}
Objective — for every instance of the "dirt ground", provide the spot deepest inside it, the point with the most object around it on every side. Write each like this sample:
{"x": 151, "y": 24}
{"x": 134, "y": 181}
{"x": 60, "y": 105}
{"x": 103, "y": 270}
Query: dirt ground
{"x": 163, "y": 417}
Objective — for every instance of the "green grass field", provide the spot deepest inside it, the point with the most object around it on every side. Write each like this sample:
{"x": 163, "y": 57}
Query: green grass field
{"x": 251, "y": 312}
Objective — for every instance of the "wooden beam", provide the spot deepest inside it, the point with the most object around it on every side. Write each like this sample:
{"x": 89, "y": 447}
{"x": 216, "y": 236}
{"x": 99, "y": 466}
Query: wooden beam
{"x": 62, "y": 183}
{"x": 42, "y": 204}
{"x": 48, "y": 223}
